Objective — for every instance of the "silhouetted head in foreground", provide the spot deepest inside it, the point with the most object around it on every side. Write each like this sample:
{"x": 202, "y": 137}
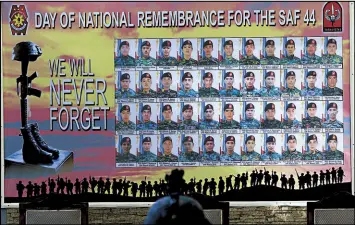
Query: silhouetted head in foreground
{"x": 176, "y": 209}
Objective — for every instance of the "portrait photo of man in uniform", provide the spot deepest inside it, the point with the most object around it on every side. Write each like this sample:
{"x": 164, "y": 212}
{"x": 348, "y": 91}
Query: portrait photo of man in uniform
{"x": 168, "y": 151}
{"x": 293, "y": 147}
{"x": 168, "y": 53}
{"x": 125, "y": 52}
{"x": 167, "y": 117}
{"x": 230, "y": 48}
{"x": 147, "y": 53}
{"x": 334, "y": 51}
{"x": 126, "y": 149}
{"x": 272, "y": 116}
{"x": 313, "y": 149}
{"x": 209, "y": 88}
{"x": 189, "y": 116}
{"x": 292, "y": 51}
{"x": 190, "y": 148}
{"x": 148, "y": 149}
{"x": 189, "y": 84}
{"x": 147, "y": 119}
{"x": 211, "y": 146}
{"x": 252, "y": 83}
{"x": 125, "y": 85}
{"x": 313, "y": 50}
{"x": 334, "y": 108}
{"x": 188, "y": 53}
{"x": 209, "y": 52}
{"x": 293, "y": 115}
{"x": 271, "y": 86}
{"x": 210, "y": 115}
{"x": 271, "y": 52}
{"x": 229, "y": 85}
{"x": 313, "y": 83}
{"x": 333, "y": 83}
{"x": 230, "y": 113}
{"x": 167, "y": 88}
{"x": 251, "y": 50}
{"x": 334, "y": 149}
{"x": 273, "y": 147}
{"x": 314, "y": 115}
{"x": 147, "y": 89}
{"x": 230, "y": 152}
{"x": 126, "y": 117}
{"x": 252, "y": 147}
{"x": 292, "y": 83}
{"x": 252, "y": 115}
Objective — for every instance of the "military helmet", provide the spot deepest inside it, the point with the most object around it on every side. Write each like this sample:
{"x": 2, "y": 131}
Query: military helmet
{"x": 26, "y": 51}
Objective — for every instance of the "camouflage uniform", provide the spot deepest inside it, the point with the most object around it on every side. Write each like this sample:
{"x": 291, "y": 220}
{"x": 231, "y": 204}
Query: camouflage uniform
{"x": 270, "y": 60}
{"x": 233, "y": 157}
{"x": 229, "y": 61}
{"x": 249, "y": 60}
{"x": 188, "y": 125}
{"x": 332, "y": 91}
{"x": 150, "y": 125}
{"x": 291, "y": 155}
{"x": 189, "y": 157}
{"x": 121, "y": 93}
{"x": 166, "y": 93}
{"x": 312, "y": 122}
{"x": 271, "y": 124}
{"x": 188, "y": 62}
{"x": 147, "y": 157}
{"x": 332, "y": 59}
{"x": 250, "y": 92}
{"x": 250, "y": 124}
{"x": 270, "y": 91}
{"x": 225, "y": 124}
{"x": 229, "y": 92}
{"x": 125, "y": 126}
{"x": 334, "y": 155}
{"x": 210, "y": 156}
{"x": 311, "y": 59}
{"x": 251, "y": 156}
{"x": 312, "y": 91}
{"x": 317, "y": 155}
{"x": 168, "y": 125}
{"x": 149, "y": 61}
{"x": 150, "y": 94}
{"x": 125, "y": 61}
{"x": 290, "y": 60}
{"x": 208, "y": 92}
{"x": 186, "y": 94}
{"x": 271, "y": 156}
{"x": 332, "y": 124}
{"x": 167, "y": 158}
{"x": 169, "y": 61}
{"x": 292, "y": 92}
{"x": 208, "y": 124}
{"x": 125, "y": 158}
{"x": 287, "y": 124}
{"x": 208, "y": 61}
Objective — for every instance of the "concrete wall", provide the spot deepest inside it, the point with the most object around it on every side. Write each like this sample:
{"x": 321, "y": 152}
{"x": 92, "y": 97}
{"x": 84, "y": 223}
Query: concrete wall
{"x": 239, "y": 215}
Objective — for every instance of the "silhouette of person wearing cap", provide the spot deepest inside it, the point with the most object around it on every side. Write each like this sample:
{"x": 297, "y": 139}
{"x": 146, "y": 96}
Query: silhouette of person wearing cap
{"x": 333, "y": 153}
{"x": 270, "y": 58}
{"x": 166, "y": 59}
{"x": 290, "y": 58}
{"x": 228, "y": 50}
{"x": 124, "y": 59}
{"x": 332, "y": 122}
{"x": 311, "y": 57}
{"x": 146, "y": 59}
{"x": 332, "y": 57}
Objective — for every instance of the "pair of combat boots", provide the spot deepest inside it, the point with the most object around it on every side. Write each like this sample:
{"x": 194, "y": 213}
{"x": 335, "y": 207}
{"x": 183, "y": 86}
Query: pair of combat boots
{"x": 35, "y": 149}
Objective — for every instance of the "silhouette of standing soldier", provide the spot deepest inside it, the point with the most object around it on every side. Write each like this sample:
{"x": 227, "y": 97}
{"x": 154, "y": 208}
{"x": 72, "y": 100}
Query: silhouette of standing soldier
{"x": 36, "y": 189}
{"x": 291, "y": 183}
{"x": 275, "y": 179}
{"x": 220, "y": 186}
{"x": 77, "y": 185}
{"x": 253, "y": 177}
{"x": 334, "y": 175}
{"x": 20, "y": 187}
{"x": 149, "y": 189}
{"x": 212, "y": 186}
{"x": 205, "y": 187}
{"x": 134, "y": 189}
{"x": 340, "y": 175}
{"x": 199, "y": 186}
{"x": 43, "y": 188}
{"x": 301, "y": 181}
{"x": 191, "y": 186}
{"x": 85, "y": 186}
{"x": 315, "y": 179}
{"x": 29, "y": 188}
{"x": 126, "y": 185}
{"x": 156, "y": 189}
{"x": 70, "y": 186}
{"x": 108, "y": 186}
{"x": 321, "y": 177}
{"x": 283, "y": 181}
{"x": 260, "y": 177}
{"x": 163, "y": 188}
{"x": 244, "y": 179}
{"x": 60, "y": 185}
{"x": 93, "y": 184}
{"x": 267, "y": 178}
{"x": 237, "y": 182}
{"x": 229, "y": 183}
{"x": 51, "y": 185}
{"x": 119, "y": 187}
{"x": 142, "y": 189}
{"x": 100, "y": 186}
{"x": 327, "y": 177}
{"x": 308, "y": 179}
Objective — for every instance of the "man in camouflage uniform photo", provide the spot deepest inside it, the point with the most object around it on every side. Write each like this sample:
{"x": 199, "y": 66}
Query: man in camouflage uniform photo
{"x": 208, "y": 59}
{"x": 166, "y": 59}
{"x": 146, "y": 59}
{"x": 147, "y": 155}
{"x": 208, "y": 122}
{"x": 124, "y": 59}
{"x": 311, "y": 57}
{"x": 333, "y": 153}
{"x": 291, "y": 89}
{"x": 167, "y": 156}
{"x": 290, "y": 59}
{"x": 166, "y": 92}
{"x": 291, "y": 122}
{"x": 250, "y": 154}
{"x": 125, "y": 91}
{"x": 187, "y": 50}
{"x": 188, "y": 155}
{"x": 146, "y": 92}
{"x": 125, "y": 156}
{"x": 230, "y": 154}
{"x": 270, "y": 122}
{"x": 167, "y": 123}
{"x": 332, "y": 89}
{"x": 249, "y": 122}
{"x": 228, "y": 50}
{"x": 249, "y": 58}
{"x": 188, "y": 123}
{"x": 187, "y": 91}
{"x": 313, "y": 153}
{"x": 332, "y": 57}
{"x": 249, "y": 90}
{"x": 312, "y": 121}
{"x": 146, "y": 124}
{"x": 229, "y": 90}
{"x": 229, "y": 122}
{"x": 125, "y": 124}
{"x": 270, "y": 90}
{"x": 270, "y": 58}
{"x": 291, "y": 152}
{"x": 311, "y": 89}
{"x": 332, "y": 122}
{"x": 270, "y": 154}
{"x": 208, "y": 90}
{"x": 209, "y": 154}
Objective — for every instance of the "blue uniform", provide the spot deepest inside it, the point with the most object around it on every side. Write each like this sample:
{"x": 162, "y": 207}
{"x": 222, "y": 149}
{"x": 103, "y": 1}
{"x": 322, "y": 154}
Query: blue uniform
{"x": 150, "y": 125}
{"x": 311, "y": 59}
{"x": 233, "y": 157}
{"x": 208, "y": 124}
{"x": 292, "y": 92}
{"x": 288, "y": 124}
{"x": 333, "y": 124}
{"x": 271, "y": 156}
{"x": 186, "y": 94}
{"x": 332, "y": 59}
{"x": 290, "y": 60}
{"x": 210, "y": 156}
{"x": 121, "y": 93}
{"x": 270, "y": 92}
{"x": 270, "y": 60}
{"x": 229, "y": 92}
{"x": 188, "y": 125}
{"x": 250, "y": 124}
{"x": 312, "y": 92}
{"x": 229, "y": 61}
{"x": 125, "y": 61}
{"x": 245, "y": 92}
{"x": 146, "y": 61}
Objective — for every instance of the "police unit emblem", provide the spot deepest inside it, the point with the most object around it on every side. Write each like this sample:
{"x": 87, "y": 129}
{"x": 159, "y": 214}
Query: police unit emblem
{"x": 18, "y": 20}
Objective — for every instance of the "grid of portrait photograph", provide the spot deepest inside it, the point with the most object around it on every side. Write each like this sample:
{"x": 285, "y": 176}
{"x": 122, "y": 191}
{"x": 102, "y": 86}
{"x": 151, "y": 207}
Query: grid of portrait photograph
{"x": 228, "y": 101}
